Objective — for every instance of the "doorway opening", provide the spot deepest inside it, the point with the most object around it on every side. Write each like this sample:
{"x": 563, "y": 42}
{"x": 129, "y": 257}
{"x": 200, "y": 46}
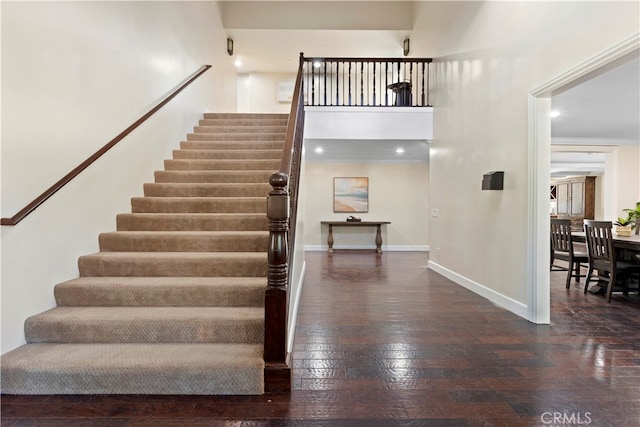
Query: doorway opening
{"x": 539, "y": 170}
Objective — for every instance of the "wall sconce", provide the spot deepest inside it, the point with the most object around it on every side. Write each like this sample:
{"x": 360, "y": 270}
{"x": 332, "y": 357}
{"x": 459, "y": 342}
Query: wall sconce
{"x": 405, "y": 46}
{"x": 230, "y": 46}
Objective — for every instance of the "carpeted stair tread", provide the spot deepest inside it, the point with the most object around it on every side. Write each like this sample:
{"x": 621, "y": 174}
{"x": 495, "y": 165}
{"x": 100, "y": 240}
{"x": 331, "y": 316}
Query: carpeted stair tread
{"x": 245, "y": 116}
{"x": 243, "y": 122}
{"x": 222, "y": 165}
{"x": 162, "y": 291}
{"x": 174, "y": 264}
{"x": 192, "y": 222}
{"x": 273, "y": 154}
{"x": 232, "y": 145}
{"x": 204, "y": 369}
{"x": 205, "y": 189}
{"x": 217, "y": 136}
{"x": 253, "y": 176}
{"x": 198, "y": 204}
{"x": 240, "y": 129}
{"x": 147, "y": 325}
{"x": 183, "y": 241}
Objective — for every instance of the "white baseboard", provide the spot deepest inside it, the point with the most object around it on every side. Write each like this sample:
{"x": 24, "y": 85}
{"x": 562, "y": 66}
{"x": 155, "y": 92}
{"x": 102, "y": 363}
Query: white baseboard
{"x": 294, "y": 310}
{"x": 497, "y": 298}
{"x": 390, "y": 248}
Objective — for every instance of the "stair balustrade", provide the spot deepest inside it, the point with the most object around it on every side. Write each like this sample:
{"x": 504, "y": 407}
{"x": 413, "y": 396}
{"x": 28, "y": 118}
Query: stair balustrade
{"x": 282, "y": 204}
{"x": 364, "y": 82}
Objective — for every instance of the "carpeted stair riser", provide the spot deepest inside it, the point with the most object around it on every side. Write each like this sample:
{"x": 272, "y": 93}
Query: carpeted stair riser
{"x": 213, "y": 176}
{"x": 243, "y": 122}
{"x": 232, "y": 145}
{"x": 235, "y": 137}
{"x": 174, "y": 301}
{"x": 169, "y": 264}
{"x": 222, "y": 165}
{"x": 228, "y": 154}
{"x": 198, "y": 204}
{"x": 191, "y": 222}
{"x": 240, "y": 129}
{"x": 235, "y": 325}
{"x": 184, "y": 241}
{"x": 205, "y": 190}
{"x": 245, "y": 116}
{"x": 162, "y": 292}
{"x": 181, "y": 369}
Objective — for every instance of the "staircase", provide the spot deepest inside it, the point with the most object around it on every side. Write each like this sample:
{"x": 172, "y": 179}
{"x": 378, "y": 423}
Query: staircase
{"x": 174, "y": 301}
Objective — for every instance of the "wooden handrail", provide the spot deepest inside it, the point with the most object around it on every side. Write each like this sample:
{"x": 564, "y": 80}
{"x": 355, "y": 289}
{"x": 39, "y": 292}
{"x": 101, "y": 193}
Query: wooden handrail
{"x": 68, "y": 177}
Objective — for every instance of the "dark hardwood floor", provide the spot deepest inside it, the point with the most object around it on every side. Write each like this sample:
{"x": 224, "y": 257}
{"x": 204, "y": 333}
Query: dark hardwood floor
{"x": 382, "y": 341}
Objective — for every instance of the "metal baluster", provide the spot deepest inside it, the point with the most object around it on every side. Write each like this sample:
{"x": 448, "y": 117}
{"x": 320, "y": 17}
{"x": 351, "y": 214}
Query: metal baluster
{"x": 422, "y": 98}
{"x": 313, "y": 84}
{"x": 325, "y": 84}
{"x": 386, "y": 84}
{"x": 428, "y": 72}
{"x": 361, "y": 83}
{"x": 410, "y": 82}
{"x": 343, "y": 83}
{"x": 349, "y": 82}
{"x": 337, "y": 82}
{"x": 374, "y": 83}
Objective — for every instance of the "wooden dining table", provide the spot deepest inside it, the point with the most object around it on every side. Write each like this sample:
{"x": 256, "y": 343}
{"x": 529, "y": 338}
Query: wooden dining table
{"x": 631, "y": 243}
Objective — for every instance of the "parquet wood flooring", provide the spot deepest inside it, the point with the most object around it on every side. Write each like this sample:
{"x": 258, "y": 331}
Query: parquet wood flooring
{"x": 382, "y": 341}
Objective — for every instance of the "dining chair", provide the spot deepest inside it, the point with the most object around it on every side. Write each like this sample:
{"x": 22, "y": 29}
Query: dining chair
{"x": 638, "y": 232}
{"x": 562, "y": 249}
{"x": 602, "y": 257}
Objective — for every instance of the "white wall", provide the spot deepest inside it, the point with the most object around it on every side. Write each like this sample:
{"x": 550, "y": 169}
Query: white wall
{"x": 491, "y": 56}
{"x": 599, "y": 212}
{"x": 398, "y": 192}
{"x": 74, "y": 75}
{"x": 369, "y": 123}
{"x": 257, "y": 93}
{"x": 628, "y": 173}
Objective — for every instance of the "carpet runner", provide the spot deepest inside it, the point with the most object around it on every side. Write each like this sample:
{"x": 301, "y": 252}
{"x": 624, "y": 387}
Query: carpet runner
{"x": 174, "y": 301}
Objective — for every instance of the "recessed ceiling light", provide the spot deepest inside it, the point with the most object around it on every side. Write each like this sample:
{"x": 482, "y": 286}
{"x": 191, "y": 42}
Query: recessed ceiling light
{"x": 553, "y": 114}
{"x": 399, "y": 150}
{"x": 316, "y": 64}
{"x": 318, "y": 150}
{"x": 238, "y": 63}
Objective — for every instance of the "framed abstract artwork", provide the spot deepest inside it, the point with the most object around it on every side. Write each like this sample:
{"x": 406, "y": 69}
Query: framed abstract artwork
{"x": 351, "y": 194}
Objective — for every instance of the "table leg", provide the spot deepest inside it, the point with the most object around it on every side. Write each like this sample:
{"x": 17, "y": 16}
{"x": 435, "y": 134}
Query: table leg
{"x": 378, "y": 240}
{"x": 330, "y": 239}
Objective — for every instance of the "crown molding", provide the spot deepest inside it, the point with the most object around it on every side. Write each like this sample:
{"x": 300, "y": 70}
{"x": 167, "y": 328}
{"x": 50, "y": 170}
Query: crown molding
{"x": 594, "y": 141}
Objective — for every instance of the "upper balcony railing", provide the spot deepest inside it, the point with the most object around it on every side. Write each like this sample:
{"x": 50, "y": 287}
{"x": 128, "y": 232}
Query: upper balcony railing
{"x": 363, "y": 82}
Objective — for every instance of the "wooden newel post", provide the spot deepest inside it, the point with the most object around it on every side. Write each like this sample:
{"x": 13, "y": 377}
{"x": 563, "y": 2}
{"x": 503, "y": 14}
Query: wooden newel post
{"x": 277, "y": 372}
{"x": 278, "y": 214}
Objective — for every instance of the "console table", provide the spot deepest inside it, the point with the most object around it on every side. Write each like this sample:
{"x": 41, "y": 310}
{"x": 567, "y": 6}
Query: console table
{"x": 376, "y": 224}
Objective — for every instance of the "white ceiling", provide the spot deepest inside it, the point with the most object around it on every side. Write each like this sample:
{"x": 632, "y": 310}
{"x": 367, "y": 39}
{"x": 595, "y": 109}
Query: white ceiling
{"x": 269, "y": 36}
{"x": 605, "y": 107}
{"x": 602, "y": 111}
